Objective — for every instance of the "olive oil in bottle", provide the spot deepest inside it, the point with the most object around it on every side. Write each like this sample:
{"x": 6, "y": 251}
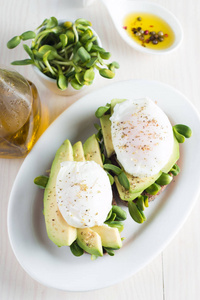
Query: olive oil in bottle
{"x": 20, "y": 114}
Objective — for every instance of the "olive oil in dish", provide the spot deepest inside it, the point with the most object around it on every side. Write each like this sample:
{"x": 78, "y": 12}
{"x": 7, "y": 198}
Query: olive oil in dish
{"x": 149, "y": 30}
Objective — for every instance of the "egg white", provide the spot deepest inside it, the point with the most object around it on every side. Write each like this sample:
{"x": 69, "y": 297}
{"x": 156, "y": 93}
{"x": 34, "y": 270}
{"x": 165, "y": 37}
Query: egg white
{"x": 83, "y": 193}
{"x": 142, "y": 137}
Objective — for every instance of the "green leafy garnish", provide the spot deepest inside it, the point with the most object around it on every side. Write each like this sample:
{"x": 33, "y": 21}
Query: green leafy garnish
{"x": 102, "y": 110}
{"x": 175, "y": 170}
{"x": 181, "y": 132}
{"x": 41, "y": 181}
{"x": 136, "y": 214}
{"x": 76, "y": 249}
{"x": 67, "y": 52}
{"x": 123, "y": 180}
{"x": 116, "y": 170}
{"x": 109, "y": 251}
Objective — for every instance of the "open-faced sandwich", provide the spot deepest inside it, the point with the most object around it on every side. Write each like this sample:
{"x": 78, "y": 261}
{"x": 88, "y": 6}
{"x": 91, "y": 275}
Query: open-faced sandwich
{"x": 135, "y": 150}
{"x": 142, "y": 149}
{"x": 78, "y": 198}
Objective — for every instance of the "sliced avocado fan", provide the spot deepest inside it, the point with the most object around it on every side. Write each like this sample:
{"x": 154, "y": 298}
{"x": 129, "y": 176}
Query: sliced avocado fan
{"x": 91, "y": 240}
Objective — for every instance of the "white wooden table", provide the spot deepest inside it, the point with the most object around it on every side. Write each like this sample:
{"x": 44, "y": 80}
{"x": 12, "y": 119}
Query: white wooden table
{"x": 175, "y": 273}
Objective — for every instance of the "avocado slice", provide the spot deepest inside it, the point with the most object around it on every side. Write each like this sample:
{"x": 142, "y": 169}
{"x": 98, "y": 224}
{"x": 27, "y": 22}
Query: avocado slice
{"x": 138, "y": 185}
{"x": 92, "y": 150}
{"x": 106, "y": 128}
{"x": 110, "y": 236}
{"x": 90, "y": 241}
{"x": 124, "y": 194}
{"x": 78, "y": 153}
{"x": 107, "y": 137}
{"x": 59, "y": 232}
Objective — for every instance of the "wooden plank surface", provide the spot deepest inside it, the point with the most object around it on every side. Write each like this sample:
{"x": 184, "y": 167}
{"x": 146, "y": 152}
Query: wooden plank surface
{"x": 174, "y": 274}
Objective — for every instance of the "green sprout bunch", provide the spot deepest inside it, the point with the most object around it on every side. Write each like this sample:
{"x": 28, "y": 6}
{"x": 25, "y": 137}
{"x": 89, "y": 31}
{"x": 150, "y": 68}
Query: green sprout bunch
{"x": 67, "y": 52}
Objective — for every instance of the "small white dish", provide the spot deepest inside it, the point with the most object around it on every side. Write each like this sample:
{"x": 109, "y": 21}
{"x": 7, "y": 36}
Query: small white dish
{"x": 51, "y": 84}
{"x": 57, "y": 267}
{"x": 119, "y": 9}
{"x": 87, "y": 2}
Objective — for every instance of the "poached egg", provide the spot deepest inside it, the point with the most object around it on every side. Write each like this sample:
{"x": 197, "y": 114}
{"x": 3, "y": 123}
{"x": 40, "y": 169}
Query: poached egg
{"x": 142, "y": 137}
{"x": 83, "y": 193}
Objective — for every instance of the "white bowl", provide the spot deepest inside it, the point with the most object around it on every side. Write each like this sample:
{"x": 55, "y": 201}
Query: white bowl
{"x": 51, "y": 84}
{"x": 119, "y": 10}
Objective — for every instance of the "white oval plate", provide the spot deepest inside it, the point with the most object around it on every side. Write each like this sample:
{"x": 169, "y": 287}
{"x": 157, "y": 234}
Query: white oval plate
{"x": 57, "y": 267}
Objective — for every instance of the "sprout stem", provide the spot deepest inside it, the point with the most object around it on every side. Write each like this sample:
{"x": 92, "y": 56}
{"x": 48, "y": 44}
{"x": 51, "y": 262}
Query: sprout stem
{"x": 75, "y": 33}
{"x": 65, "y": 63}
